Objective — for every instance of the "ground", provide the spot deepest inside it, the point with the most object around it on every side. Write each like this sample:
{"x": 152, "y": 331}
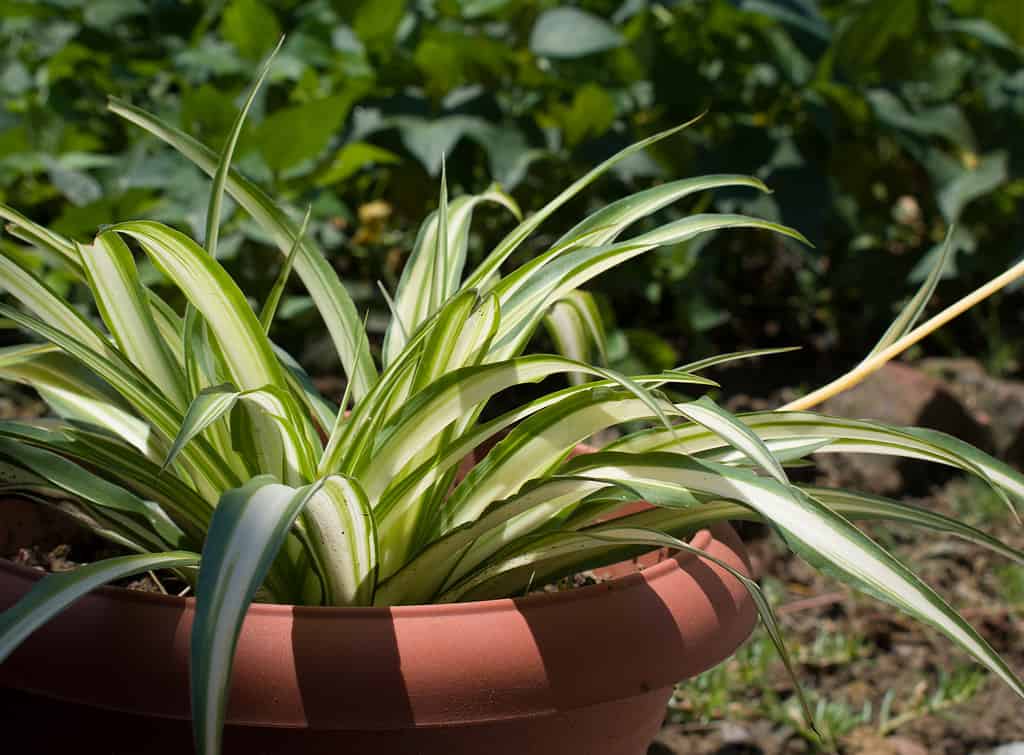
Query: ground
{"x": 880, "y": 684}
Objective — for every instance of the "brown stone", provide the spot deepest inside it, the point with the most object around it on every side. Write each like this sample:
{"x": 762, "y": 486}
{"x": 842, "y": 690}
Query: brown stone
{"x": 899, "y": 394}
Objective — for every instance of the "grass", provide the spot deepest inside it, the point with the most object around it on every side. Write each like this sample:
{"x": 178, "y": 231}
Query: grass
{"x": 915, "y": 689}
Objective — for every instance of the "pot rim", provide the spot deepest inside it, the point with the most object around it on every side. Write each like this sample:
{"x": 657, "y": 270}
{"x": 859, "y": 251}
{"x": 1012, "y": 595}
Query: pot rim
{"x": 406, "y": 667}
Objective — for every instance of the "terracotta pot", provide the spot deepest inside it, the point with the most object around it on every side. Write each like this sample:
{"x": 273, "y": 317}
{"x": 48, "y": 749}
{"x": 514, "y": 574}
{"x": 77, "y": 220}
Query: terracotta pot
{"x": 581, "y": 671}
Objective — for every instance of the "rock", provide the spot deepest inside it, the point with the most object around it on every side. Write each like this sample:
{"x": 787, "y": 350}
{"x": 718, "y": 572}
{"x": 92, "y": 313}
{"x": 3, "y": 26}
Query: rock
{"x": 996, "y": 403}
{"x": 899, "y": 394}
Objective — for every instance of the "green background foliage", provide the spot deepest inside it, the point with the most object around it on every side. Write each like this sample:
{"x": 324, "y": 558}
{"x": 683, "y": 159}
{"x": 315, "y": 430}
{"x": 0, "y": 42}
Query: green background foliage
{"x": 878, "y": 123}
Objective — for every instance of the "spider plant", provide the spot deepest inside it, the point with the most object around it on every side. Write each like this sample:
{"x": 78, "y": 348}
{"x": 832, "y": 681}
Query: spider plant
{"x": 196, "y": 444}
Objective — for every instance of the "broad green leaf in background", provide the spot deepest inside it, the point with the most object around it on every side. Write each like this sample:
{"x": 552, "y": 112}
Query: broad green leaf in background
{"x": 352, "y": 158}
{"x": 591, "y": 113}
{"x": 976, "y": 181}
{"x": 376, "y": 21}
{"x": 572, "y": 33}
{"x": 251, "y": 26}
{"x": 294, "y": 134}
{"x": 878, "y": 25}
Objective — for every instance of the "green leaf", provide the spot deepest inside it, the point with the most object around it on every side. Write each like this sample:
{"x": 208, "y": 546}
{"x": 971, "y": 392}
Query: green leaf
{"x": 529, "y": 450}
{"x": 703, "y": 364}
{"x": 523, "y": 309}
{"x": 212, "y": 291}
{"x": 85, "y": 485}
{"x": 453, "y": 394}
{"x": 46, "y": 304}
{"x": 73, "y": 392}
{"x": 124, "y": 305}
{"x": 274, "y": 297}
{"x": 709, "y": 415}
{"x": 332, "y": 299}
{"x": 613, "y": 218}
{"x": 43, "y": 238}
{"x": 914, "y": 308}
{"x": 572, "y": 33}
{"x": 224, "y": 166}
{"x": 57, "y": 591}
{"x": 861, "y": 507}
{"x": 990, "y": 173}
{"x": 816, "y": 533}
{"x": 846, "y": 435}
{"x": 343, "y": 541}
{"x": 520, "y": 233}
{"x": 376, "y": 22}
{"x": 292, "y": 135}
{"x": 420, "y": 579}
{"x": 288, "y": 453}
{"x": 117, "y": 462}
{"x": 137, "y": 390}
{"x": 414, "y": 302}
{"x": 352, "y": 158}
{"x": 591, "y": 113}
{"x": 250, "y": 26}
{"x": 248, "y": 528}
{"x": 874, "y": 29}
{"x": 402, "y": 504}
{"x": 574, "y": 324}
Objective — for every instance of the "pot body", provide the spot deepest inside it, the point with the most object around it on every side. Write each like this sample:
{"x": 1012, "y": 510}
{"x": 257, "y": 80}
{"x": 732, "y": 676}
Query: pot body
{"x": 585, "y": 670}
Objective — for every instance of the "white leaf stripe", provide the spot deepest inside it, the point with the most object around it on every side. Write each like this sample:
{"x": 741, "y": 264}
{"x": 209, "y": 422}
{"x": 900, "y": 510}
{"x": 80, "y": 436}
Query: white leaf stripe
{"x": 450, "y": 397}
{"x": 418, "y": 581}
{"x": 214, "y": 293}
{"x": 853, "y": 435}
{"x": 613, "y": 218}
{"x": 44, "y": 237}
{"x": 41, "y": 300}
{"x": 529, "y": 449}
{"x": 73, "y": 392}
{"x": 523, "y": 310}
{"x": 706, "y": 413}
{"x": 122, "y": 302}
{"x": 343, "y": 536}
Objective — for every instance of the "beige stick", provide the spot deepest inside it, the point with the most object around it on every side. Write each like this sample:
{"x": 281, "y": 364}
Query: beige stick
{"x": 865, "y": 368}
